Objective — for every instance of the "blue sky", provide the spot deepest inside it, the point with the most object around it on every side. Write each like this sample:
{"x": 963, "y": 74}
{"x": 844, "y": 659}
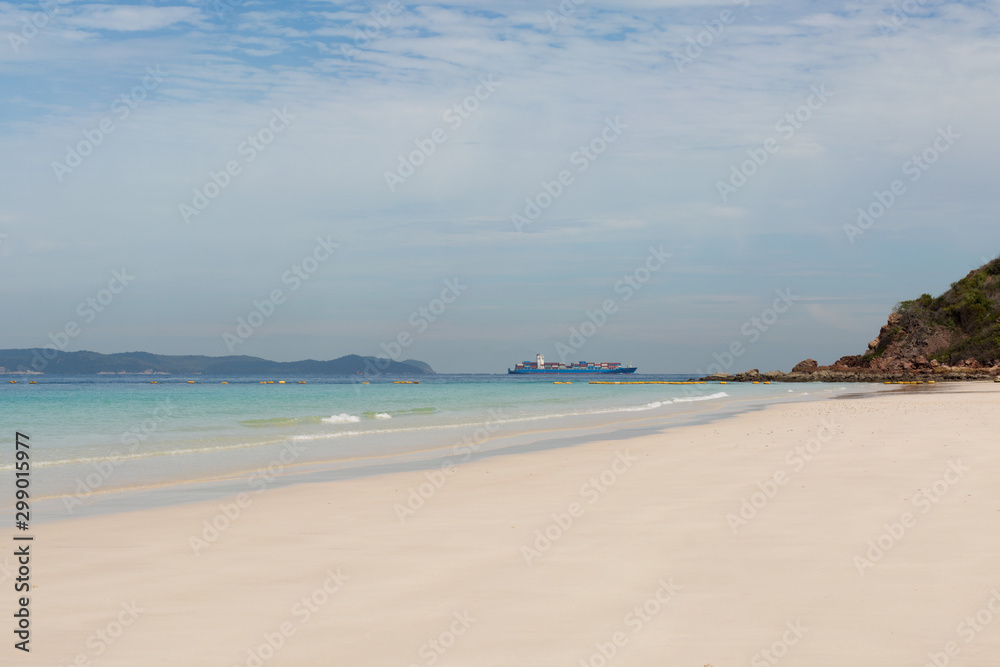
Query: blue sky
{"x": 695, "y": 90}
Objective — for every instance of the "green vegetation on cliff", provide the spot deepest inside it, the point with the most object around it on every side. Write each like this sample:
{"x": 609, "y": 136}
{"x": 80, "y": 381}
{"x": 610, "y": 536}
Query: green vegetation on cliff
{"x": 963, "y": 323}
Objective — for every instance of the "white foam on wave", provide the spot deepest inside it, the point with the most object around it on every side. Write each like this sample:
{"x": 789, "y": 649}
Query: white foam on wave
{"x": 383, "y": 415}
{"x": 710, "y": 397}
{"x": 638, "y": 408}
{"x": 342, "y": 418}
{"x": 514, "y": 420}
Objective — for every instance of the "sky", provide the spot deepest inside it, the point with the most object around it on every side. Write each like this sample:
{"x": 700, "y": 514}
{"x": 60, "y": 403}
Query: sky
{"x": 685, "y": 186}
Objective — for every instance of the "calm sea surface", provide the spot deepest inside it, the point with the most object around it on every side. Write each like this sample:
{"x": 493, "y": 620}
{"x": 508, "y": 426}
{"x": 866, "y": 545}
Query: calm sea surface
{"x": 94, "y": 435}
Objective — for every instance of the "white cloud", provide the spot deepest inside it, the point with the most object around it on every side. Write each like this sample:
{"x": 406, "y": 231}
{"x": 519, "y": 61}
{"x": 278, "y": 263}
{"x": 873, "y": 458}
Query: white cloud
{"x": 130, "y": 18}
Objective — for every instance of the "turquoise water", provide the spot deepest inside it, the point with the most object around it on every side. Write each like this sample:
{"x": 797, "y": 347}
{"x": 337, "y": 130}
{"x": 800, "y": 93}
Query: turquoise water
{"x": 91, "y": 435}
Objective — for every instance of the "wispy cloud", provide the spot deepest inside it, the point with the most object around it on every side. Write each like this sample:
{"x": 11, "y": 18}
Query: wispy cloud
{"x": 129, "y": 18}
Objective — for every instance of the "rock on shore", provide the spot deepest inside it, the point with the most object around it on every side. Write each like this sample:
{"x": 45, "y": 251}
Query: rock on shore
{"x": 844, "y": 374}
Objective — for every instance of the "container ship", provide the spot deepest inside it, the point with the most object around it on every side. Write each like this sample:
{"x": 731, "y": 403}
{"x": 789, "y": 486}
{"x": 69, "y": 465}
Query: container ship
{"x": 539, "y": 366}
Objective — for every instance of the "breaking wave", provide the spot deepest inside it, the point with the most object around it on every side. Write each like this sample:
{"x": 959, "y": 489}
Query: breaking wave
{"x": 342, "y": 418}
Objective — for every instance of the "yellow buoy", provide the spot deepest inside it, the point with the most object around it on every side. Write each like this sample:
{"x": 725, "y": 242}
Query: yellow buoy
{"x": 281, "y": 382}
{"x": 262, "y": 382}
{"x": 302, "y": 381}
{"x": 225, "y": 383}
{"x": 32, "y": 382}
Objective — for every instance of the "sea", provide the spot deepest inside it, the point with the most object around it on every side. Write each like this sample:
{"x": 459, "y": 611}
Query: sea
{"x": 107, "y": 443}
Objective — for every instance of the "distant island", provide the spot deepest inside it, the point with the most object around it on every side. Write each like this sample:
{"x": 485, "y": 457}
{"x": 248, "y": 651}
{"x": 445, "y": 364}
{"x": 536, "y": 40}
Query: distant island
{"x": 47, "y": 360}
{"x": 954, "y": 336}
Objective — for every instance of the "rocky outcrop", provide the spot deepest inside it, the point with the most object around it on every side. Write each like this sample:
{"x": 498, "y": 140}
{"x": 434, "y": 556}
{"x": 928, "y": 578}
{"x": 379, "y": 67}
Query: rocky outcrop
{"x": 907, "y": 343}
{"x": 955, "y": 336}
{"x": 959, "y": 329}
{"x": 844, "y": 374}
{"x": 807, "y": 366}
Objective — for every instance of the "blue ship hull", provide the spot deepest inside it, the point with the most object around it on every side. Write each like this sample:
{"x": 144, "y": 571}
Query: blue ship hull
{"x": 573, "y": 371}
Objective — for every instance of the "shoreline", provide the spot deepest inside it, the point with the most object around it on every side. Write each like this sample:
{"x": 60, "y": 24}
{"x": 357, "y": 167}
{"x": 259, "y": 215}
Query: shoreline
{"x": 115, "y": 500}
{"x": 865, "y": 532}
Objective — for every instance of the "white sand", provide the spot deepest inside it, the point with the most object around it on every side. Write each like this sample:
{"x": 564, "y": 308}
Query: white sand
{"x": 663, "y": 520}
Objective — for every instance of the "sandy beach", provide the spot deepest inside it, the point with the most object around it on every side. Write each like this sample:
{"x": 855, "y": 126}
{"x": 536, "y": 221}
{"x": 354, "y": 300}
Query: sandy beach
{"x": 835, "y": 532}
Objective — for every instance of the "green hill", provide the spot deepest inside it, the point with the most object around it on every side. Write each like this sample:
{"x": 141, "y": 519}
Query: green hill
{"x": 51, "y": 361}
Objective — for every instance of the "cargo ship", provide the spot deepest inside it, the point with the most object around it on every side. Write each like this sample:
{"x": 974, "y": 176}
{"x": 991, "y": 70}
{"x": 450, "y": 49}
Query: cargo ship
{"x": 539, "y": 366}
